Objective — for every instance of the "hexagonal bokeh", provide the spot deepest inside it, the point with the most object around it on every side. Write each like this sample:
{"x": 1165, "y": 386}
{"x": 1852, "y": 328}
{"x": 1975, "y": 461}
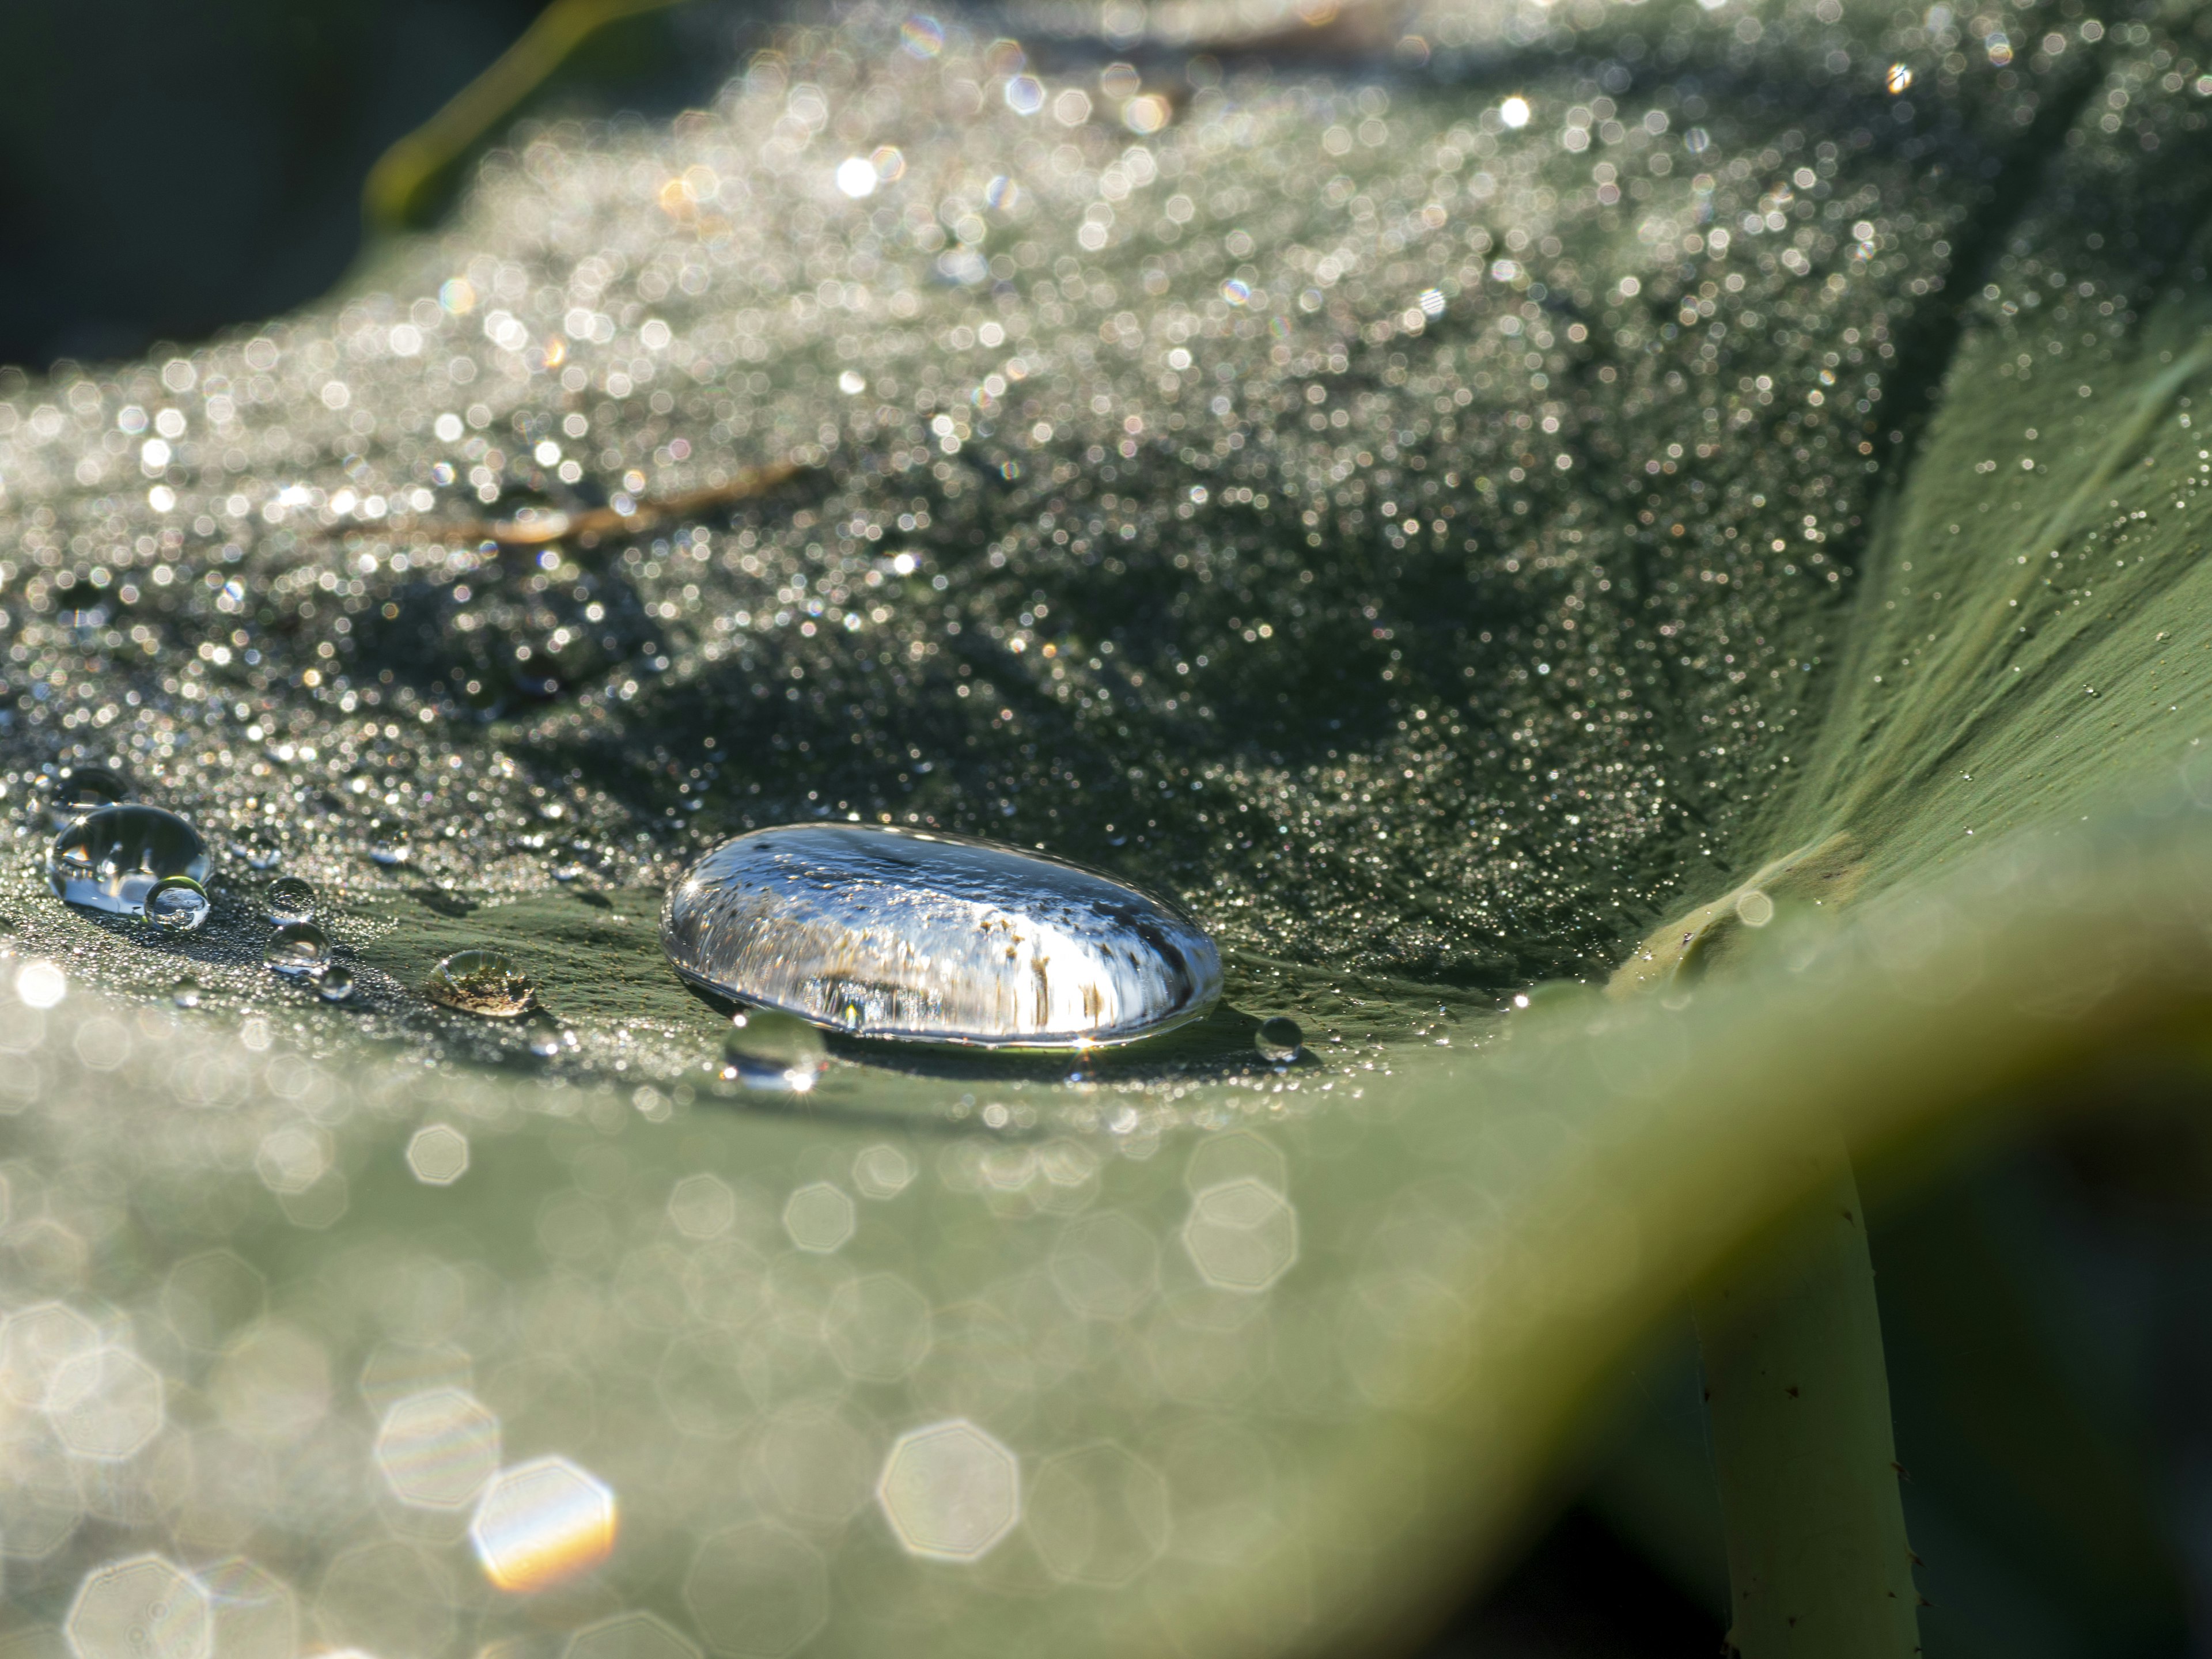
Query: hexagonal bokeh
{"x": 882, "y": 1171}
{"x": 208, "y": 1296}
{"x": 1099, "y": 1516}
{"x": 1105, "y": 1266}
{"x": 105, "y": 1405}
{"x": 696, "y": 1383}
{"x": 438, "y": 1153}
{"x": 543, "y": 1522}
{"x": 293, "y": 1159}
{"x": 629, "y": 1636}
{"x": 256, "y": 1615}
{"x": 815, "y": 1464}
{"x": 145, "y": 1608}
{"x": 436, "y": 1449}
{"x": 877, "y": 1327}
{"x": 756, "y": 1590}
{"x": 1242, "y": 1234}
{"x": 1234, "y": 1155}
{"x": 950, "y": 1491}
{"x": 388, "y": 1596}
{"x": 273, "y": 1384}
{"x": 703, "y": 1207}
{"x": 37, "y": 1342}
{"x": 819, "y": 1218}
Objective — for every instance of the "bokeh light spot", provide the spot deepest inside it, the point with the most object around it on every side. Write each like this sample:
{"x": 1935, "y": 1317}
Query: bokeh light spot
{"x": 757, "y": 1591}
{"x": 819, "y": 1218}
{"x": 146, "y": 1608}
{"x": 950, "y": 1491}
{"x": 436, "y": 1450}
{"x": 1242, "y": 1234}
{"x": 543, "y": 1522}
{"x": 439, "y": 1155}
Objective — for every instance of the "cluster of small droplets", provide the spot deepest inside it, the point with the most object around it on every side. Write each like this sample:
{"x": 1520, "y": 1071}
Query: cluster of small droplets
{"x": 1405, "y": 526}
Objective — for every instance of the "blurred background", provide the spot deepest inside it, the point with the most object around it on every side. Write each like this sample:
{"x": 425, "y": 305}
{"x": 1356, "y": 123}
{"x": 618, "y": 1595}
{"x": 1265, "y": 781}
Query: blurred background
{"x": 166, "y": 172}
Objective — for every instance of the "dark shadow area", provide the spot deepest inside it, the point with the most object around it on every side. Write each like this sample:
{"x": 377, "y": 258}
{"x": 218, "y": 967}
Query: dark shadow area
{"x": 166, "y": 171}
{"x": 1580, "y": 1594}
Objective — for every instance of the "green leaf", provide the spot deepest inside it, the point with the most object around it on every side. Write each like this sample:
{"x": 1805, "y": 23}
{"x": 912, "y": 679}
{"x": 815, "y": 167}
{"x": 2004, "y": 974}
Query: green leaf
{"x": 1676, "y": 607}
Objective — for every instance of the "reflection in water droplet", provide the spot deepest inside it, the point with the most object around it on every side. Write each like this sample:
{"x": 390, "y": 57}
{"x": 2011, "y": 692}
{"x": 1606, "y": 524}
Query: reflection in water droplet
{"x": 1280, "y": 1039}
{"x": 389, "y": 853}
{"x": 485, "y": 982}
{"x": 82, "y": 789}
{"x": 185, "y": 993}
{"x": 297, "y": 948}
{"x": 289, "y": 899}
{"x": 178, "y": 905}
{"x": 542, "y": 1521}
{"x": 935, "y": 938}
{"x": 111, "y": 858}
{"x": 773, "y": 1053}
{"x": 334, "y": 984}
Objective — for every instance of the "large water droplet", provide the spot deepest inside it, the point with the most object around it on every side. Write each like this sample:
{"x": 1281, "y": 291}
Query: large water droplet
{"x": 178, "y": 905}
{"x": 289, "y": 899}
{"x": 928, "y": 938}
{"x": 485, "y": 982}
{"x": 334, "y": 983}
{"x": 111, "y": 858}
{"x": 1280, "y": 1039}
{"x": 297, "y": 948}
{"x": 185, "y": 993}
{"x": 81, "y": 789}
{"x": 774, "y": 1053}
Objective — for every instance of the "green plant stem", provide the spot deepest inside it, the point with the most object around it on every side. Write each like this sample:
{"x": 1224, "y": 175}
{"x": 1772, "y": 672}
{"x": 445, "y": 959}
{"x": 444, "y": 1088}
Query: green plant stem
{"x": 1799, "y": 1404}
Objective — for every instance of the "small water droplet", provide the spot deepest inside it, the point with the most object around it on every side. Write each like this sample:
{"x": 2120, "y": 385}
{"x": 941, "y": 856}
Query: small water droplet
{"x": 178, "y": 905}
{"x": 297, "y": 948}
{"x": 110, "y": 859}
{"x": 773, "y": 1053}
{"x": 334, "y": 983}
{"x": 391, "y": 853}
{"x": 1280, "y": 1039}
{"x": 185, "y": 993}
{"x": 289, "y": 899}
{"x": 485, "y": 982}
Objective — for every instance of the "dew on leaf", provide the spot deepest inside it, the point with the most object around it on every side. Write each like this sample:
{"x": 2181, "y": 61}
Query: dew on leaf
{"x": 178, "y": 905}
{"x": 297, "y": 949}
{"x": 110, "y": 859}
{"x": 936, "y": 939}
{"x": 288, "y": 899}
{"x": 486, "y": 982}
